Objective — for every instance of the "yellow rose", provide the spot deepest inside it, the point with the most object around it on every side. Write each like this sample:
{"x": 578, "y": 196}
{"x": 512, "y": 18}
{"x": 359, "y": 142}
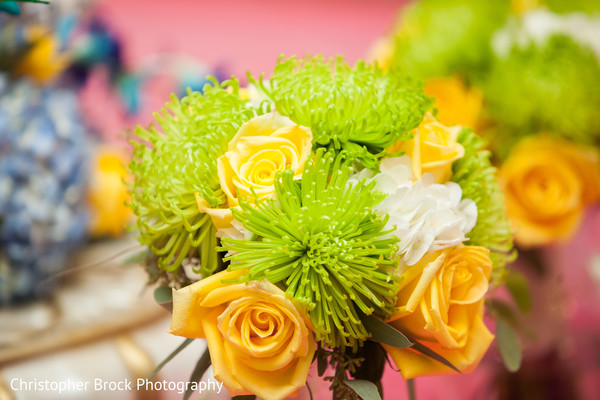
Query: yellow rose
{"x": 456, "y": 103}
{"x": 547, "y": 183}
{"x": 259, "y": 340}
{"x": 433, "y": 149}
{"x": 262, "y": 147}
{"x": 440, "y": 304}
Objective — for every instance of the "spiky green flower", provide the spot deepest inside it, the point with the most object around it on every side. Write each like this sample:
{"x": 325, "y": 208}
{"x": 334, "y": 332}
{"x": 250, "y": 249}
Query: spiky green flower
{"x": 173, "y": 162}
{"x": 447, "y": 37}
{"x": 477, "y": 178}
{"x": 357, "y": 109}
{"x": 321, "y": 240}
{"x": 554, "y": 88}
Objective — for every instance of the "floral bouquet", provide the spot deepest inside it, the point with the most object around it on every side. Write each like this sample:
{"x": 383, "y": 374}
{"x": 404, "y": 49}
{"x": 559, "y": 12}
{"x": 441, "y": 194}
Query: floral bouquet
{"x": 326, "y": 217}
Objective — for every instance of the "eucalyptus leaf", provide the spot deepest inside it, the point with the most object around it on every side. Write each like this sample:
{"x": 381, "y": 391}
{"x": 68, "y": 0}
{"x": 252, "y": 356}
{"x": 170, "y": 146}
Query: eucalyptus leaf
{"x": 519, "y": 290}
{"x": 509, "y": 346}
{"x": 384, "y": 333}
{"x": 164, "y": 297}
{"x": 182, "y": 346}
{"x": 364, "y": 389}
{"x": 199, "y": 370}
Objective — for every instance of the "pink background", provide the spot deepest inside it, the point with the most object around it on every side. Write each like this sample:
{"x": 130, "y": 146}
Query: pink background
{"x": 249, "y": 34}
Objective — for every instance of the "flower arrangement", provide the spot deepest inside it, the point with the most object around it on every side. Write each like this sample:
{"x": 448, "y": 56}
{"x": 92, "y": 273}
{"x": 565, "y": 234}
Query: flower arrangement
{"x": 323, "y": 216}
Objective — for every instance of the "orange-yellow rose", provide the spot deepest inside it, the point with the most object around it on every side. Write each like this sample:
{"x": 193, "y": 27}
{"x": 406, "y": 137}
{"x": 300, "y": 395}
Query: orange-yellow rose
{"x": 547, "y": 184}
{"x": 456, "y": 103}
{"x": 262, "y": 147}
{"x": 433, "y": 149}
{"x": 260, "y": 342}
{"x": 440, "y": 304}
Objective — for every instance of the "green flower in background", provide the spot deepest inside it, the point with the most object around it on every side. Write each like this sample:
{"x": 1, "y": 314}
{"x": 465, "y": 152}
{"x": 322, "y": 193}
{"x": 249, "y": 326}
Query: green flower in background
{"x": 447, "y": 37}
{"x": 567, "y": 6}
{"x": 552, "y": 87}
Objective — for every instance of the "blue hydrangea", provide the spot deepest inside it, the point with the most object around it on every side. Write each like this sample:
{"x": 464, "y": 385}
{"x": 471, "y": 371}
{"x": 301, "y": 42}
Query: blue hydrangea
{"x": 43, "y": 168}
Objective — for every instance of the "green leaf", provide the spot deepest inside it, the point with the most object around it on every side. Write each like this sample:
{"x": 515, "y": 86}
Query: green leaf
{"x": 506, "y": 312}
{"x": 432, "y": 354}
{"x": 182, "y": 346}
{"x": 384, "y": 333}
{"x": 519, "y": 290}
{"x": 365, "y": 389}
{"x": 509, "y": 346}
{"x": 164, "y": 297}
{"x": 199, "y": 370}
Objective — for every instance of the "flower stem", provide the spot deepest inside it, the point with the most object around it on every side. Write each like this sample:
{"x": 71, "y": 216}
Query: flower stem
{"x": 410, "y": 384}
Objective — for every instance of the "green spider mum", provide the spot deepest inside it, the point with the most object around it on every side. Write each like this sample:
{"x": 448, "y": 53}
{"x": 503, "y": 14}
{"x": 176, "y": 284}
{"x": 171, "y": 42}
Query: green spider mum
{"x": 357, "y": 109}
{"x": 477, "y": 179}
{"x": 447, "y": 37}
{"x": 554, "y": 88}
{"x": 172, "y": 164}
{"x": 322, "y": 241}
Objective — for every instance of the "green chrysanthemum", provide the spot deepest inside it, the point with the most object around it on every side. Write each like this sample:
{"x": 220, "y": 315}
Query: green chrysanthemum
{"x": 322, "y": 241}
{"x": 447, "y": 37}
{"x": 170, "y": 166}
{"x": 359, "y": 110}
{"x": 552, "y": 88}
{"x": 477, "y": 178}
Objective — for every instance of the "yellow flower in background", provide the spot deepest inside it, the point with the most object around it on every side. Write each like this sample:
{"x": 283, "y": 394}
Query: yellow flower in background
{"x": 456, "y": 103}
{"x": 547, "y": 184}
{"x": 262, "y": 147}
{"x": 107, "y": 194}
{"x": 42, "y": 62}
{"x": 440, "y": 304}
{"x": 523, "y": 6}
{"x": 433, "y": 149}
{"x": 260, "y": 342}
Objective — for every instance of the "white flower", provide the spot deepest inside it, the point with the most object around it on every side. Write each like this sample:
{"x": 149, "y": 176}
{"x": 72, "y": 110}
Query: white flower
{"x": 427, "y": 216}
{"x": 538, "y": 25}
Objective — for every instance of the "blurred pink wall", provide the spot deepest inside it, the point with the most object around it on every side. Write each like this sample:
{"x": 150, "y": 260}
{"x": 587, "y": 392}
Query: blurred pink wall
{"x": 249, "y": 34}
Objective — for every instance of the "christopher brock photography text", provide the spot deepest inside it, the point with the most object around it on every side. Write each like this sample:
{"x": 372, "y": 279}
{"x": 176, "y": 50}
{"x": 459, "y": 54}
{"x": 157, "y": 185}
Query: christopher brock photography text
{"x": 97, "y": 385}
